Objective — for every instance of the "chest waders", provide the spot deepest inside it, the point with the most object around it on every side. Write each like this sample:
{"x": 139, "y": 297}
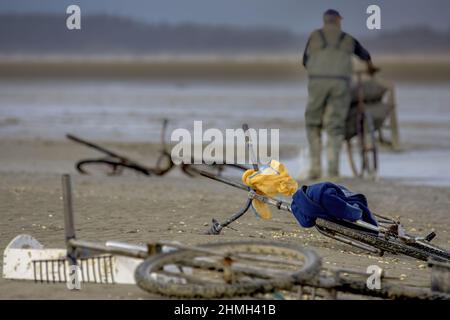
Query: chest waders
{"x": 329, "y": 70}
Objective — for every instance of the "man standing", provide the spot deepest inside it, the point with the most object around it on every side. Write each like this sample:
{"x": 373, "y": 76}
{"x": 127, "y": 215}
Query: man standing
{"x": 327, "y": 58}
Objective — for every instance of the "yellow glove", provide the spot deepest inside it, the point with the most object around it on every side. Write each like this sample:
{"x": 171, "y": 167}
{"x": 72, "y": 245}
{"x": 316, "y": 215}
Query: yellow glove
{"x": 270, "y": 181}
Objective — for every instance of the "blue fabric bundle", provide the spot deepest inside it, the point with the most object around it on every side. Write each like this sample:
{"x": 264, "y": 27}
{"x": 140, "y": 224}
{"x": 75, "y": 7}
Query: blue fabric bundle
{"x": 329, "y": 201}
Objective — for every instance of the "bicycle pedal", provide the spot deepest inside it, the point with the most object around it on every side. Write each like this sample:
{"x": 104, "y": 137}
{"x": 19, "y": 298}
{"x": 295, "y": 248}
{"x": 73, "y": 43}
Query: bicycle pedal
{"x": 216, "y": 227}
{"x": 430, "y": 236}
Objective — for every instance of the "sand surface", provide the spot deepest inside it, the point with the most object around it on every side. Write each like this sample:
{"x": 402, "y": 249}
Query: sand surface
{"x": 122, "y": 104}
{"x": 139, "y": 209}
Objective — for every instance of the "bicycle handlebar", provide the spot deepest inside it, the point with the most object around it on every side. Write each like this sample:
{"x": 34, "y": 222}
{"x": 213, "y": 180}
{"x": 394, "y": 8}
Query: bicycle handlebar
{"x": 370, "y": 72}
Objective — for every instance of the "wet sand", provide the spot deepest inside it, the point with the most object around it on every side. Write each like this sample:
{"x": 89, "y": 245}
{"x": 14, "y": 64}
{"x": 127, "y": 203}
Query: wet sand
{"x": 139, "y": 209}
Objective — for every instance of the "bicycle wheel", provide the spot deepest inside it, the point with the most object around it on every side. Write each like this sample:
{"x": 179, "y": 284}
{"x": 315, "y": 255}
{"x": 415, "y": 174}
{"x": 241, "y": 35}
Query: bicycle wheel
{"x": 164, "y": 164}
{"x": 367, "y": 154}
{"x": 227, "y": 270}
{"x": 421, "y": 251}
{"x": 107, "y": 167}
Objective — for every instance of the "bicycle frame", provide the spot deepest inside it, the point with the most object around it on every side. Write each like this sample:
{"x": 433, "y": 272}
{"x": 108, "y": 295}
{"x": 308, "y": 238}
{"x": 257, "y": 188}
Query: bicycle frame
{"x": 118, "y": 162}
{"x": 387, "y": 227}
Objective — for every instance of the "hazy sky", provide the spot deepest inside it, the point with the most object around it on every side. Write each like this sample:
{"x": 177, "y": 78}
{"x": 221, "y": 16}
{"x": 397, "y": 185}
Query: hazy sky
{"x": 297, "y": 15}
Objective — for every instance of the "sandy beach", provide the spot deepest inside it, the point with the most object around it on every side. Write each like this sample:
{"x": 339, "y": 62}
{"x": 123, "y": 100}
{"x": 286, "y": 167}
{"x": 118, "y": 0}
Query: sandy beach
{"x": 138, "y": 209}
{"x": 125, "y": 114}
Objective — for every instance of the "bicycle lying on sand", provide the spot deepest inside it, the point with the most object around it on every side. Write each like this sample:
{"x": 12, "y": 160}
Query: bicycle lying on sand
{"x": 115, "y": 164}
{"x": 249, "y": 268}
{"x": 263, "y": 269}
{"x": 389, "y": 236}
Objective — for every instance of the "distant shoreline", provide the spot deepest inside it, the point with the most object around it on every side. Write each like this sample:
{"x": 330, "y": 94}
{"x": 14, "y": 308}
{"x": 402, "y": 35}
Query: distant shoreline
{"x": 264, "y": 67}
{"x": 209, "y": 58}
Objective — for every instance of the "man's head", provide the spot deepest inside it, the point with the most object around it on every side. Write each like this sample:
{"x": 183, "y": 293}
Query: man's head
{"x": 332, "y": 16}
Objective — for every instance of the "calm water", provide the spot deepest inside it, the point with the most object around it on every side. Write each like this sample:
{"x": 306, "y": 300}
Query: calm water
{"x": 133, "y": 110}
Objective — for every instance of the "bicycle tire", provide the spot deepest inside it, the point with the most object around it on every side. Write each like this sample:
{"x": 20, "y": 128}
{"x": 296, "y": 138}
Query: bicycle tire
{"x": 211, "y": 290}
{"x": 391, "y": 245}
{"x": 372, "y": 157}
{"x": 159, "y": 170}
{"x": 389, "y": 291}
{"x": 111, "y": 163}
{"x": 368, "y": 156}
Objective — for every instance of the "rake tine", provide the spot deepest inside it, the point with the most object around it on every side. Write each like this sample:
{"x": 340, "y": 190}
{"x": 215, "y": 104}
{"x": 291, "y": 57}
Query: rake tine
{"x": 111, "y": 268}
{"x": 99, "y": 266}
{"x": 105, "y": 268}
{"x": 59, "y": 270}
{"x": 40, "y": 272}
{"x": 53, "y": 271}
{"x": 87, "y": 270}
{"x": 34, "y": 271}
{"x": 93, "y": 270}
{"x": 37, "y": 271}
{"x": 56, "y": 274}
{"x": 82, "y": 270}
{"x": 65, "y": 271}
{"x": 46, "y": 272}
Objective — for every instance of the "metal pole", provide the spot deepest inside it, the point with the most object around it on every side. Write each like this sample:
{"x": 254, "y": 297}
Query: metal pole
{"x": 69, "y": 227}
{"x": 69, "y": 224}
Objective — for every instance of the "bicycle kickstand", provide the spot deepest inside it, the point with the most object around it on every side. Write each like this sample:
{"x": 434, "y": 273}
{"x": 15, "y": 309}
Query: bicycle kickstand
{"x": 217, "y": 227}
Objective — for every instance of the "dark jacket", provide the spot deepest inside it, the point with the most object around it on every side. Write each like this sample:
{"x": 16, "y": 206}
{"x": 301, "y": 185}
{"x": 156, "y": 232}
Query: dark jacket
{"x": 329, "y": 201}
